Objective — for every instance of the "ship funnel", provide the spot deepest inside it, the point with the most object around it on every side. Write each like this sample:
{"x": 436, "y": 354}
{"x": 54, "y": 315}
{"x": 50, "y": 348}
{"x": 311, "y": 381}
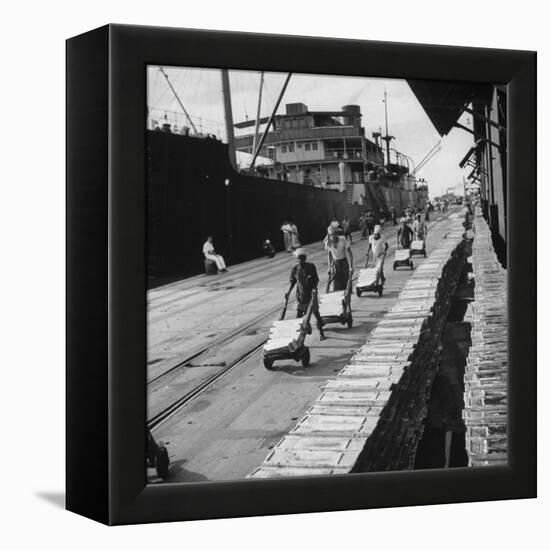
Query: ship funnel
{"x": 351, "y": 114}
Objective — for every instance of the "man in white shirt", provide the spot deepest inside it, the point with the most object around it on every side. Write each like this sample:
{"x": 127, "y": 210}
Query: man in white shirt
{"x": 287, "y": 235}
{"x": 340, "y": 259}
{"x": 210, "y": 254}
{"x": 379, "y": 247}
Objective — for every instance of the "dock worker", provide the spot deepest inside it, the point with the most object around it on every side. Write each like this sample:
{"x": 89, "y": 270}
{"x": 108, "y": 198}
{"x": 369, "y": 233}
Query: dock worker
{"x": 420, "y": 228}
{"x": 404, "y": 235}
{"x": 379, "y": 247}
{"x": 294, "y": 236}
{"x": 347, "y": 229}
{"x": 340, "y": 260}
{"x": 369, "y": 218}
{"x": 210, "y": 254}
{"x": 287, "y": 231}
{"x": 304, "y": 276}
{"x": 334, "y": 224}
{"x": 363, "y": 225}
{"x": 393, "y": 215}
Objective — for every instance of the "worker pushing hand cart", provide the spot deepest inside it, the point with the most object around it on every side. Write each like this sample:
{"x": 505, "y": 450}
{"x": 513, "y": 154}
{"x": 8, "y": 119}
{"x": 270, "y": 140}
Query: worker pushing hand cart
{"x": 335, "y": 307}
{"x": 287, "y": 337}
{"x": 420, "y": 230}
{"x": 372, "y": 279}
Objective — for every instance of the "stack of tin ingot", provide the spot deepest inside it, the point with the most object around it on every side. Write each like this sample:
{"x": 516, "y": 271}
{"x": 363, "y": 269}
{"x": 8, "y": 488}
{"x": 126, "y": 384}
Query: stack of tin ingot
{"x": 331, "y": 304}
{"x": 485, "y": 378}
{"x": 370, "y": 416}
{"x": 283, "y": 335}
{"x": 416, "y": 321}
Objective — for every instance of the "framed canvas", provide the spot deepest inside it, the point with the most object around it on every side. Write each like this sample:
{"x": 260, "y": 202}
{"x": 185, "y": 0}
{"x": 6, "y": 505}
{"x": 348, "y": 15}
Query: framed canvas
{"x": 145, "y": 189}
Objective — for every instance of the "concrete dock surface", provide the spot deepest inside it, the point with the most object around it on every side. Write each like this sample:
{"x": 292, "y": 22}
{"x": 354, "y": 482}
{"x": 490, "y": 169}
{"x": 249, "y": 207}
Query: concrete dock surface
{"x": 226, "y": 430}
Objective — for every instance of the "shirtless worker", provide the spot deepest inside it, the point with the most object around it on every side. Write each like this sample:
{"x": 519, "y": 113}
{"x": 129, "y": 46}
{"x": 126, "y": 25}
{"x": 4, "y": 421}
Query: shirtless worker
{"x": 304, "y": 276}
{"x": 340, "y": 260}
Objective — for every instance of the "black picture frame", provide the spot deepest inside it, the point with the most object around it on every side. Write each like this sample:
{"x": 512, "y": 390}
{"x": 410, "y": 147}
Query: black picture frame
{"x": 106, "y": 274}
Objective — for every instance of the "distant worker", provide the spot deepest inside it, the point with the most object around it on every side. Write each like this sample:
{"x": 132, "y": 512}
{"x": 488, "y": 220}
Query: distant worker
{"x": 404, "y": 235}
{"x": 210, "y": 254}
{"x": 420, "y": 228}
{"x": 347, "y": 229}
{"x": 335, "y": 224}
{"x": 370, "y": 222}
{"x": 304, "y": 275}
{"x": 363, "y": 225}
{"x": 294, "y": 236}
{"x": 393, "y": 215}
{"x": 268, "y": 248}
{"x": 340, "y": 260}
{"x": 379, "y": 247}
{"x": 287, "y": 230}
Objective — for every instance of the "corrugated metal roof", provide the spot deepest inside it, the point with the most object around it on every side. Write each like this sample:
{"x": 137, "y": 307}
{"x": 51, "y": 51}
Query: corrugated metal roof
{"x": 444, "y": 101}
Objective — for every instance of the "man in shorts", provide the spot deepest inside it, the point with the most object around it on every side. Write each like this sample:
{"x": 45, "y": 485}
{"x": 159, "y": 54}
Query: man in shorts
{"x": 304, "y": 276}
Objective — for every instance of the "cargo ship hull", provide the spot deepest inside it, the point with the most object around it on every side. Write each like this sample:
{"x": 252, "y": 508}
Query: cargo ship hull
{"x": 193, "y": 191}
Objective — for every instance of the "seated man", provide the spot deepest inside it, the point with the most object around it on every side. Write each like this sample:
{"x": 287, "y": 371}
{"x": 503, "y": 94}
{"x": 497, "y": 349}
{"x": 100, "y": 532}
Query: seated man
{"x": 210, "y": 254}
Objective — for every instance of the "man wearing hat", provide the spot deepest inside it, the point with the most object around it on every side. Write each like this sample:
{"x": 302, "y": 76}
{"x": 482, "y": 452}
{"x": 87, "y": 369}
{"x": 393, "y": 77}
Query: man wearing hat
{"x": 304, "y": 276}
{"x": 379, "y": 247}
{"x": 340, "y": 260}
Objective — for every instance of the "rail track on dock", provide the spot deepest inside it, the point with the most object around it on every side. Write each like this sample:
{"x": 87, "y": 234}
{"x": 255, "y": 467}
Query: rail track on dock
{"x": 177, "y": 404}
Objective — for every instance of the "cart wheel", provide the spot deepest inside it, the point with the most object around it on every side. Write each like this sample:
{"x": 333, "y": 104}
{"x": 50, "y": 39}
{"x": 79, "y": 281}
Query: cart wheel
{"x": 394, "y": 266}
{"x": 306, "y": 357}
{"x": 350, "y": 320}
{"x": 358, "y": 292}
{"x": 268, "y": 363}
{"x": 380, "y": 290}
{"x": 161, "y": 462}
{"x": 412, "y": 266}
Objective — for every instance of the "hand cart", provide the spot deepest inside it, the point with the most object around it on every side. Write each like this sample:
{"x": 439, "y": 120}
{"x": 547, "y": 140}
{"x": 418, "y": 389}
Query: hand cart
{"x": 157, "y": 456}
{"x": 335, "y": 307}
{"x": 366, "y": 281}
{"x": 403, "y": 259}
{"x": 418, "y": 246}
{"x": 287, "y": 338}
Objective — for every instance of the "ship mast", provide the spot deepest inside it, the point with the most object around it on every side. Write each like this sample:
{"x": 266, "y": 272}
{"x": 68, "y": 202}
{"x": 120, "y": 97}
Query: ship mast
{"x": 178, "y": 99}
{"x": 256, "y": 129}
{"x": 269, "y": 122}
{"x": 387, "y": 138}
{"x": 228, "y": 117}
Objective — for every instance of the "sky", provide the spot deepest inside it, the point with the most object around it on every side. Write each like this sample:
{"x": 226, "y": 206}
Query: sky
{"x": 200, "y": 92}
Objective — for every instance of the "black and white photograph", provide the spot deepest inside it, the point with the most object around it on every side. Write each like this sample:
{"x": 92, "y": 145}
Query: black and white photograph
{"x": 326, "y": 274}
